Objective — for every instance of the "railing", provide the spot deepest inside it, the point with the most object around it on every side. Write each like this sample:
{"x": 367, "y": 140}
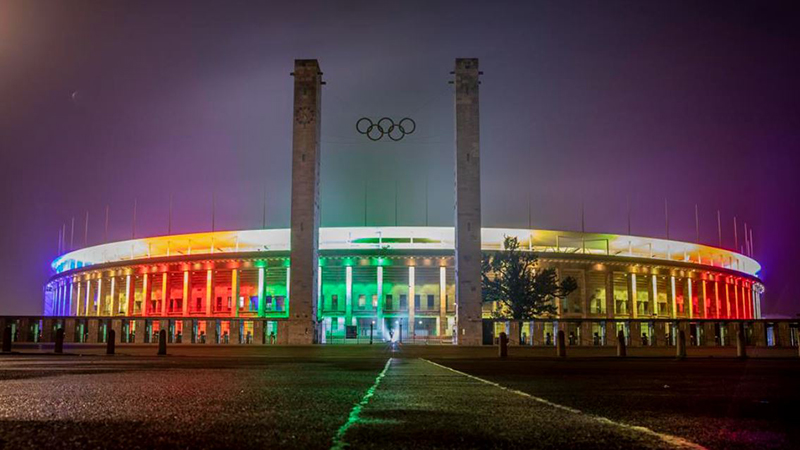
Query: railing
{"x": 584, "y": 332}
{"x": 598, "y": 332}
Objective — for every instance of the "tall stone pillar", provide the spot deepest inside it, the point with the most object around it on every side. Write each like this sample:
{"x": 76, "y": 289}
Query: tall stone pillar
{"x": 442, "y": 301}
{"x": 412, "y": 305}
{"x": 468, "y": 204}
{"x": 305, "y": 202}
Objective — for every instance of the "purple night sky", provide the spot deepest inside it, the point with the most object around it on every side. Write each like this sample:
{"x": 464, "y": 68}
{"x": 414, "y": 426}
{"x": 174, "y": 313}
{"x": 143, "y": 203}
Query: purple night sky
{"x": 107, "y": 102}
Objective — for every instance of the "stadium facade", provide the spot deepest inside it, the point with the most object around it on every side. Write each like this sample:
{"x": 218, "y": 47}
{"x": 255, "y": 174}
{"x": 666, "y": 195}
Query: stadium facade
{"x": 390, "y": 282}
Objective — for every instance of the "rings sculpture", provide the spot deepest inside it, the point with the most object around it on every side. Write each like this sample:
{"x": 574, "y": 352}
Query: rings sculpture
{"x": 375, "y": 131}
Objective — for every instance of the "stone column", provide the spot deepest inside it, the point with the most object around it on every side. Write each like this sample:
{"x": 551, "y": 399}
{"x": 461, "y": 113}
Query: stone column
{"x": 442, "y": 301}
{"x": 513, "y": 332}
{"x": 116, "y": 325}
{"x": 186, "y": 331}
{"x": 379, "y": 290}
{"x": 235, "y": 295}
{"x": 702, "y": 299}
{"x": 467, "y": 204}
{"x": 636, "y": 334}
{"x": 673, "y": 299}
{"x": 258, "y": 332}
{"x": 611, "y": 333}
{"x": 708, "y": 334}
{"x": 283, "y": 337}
{"x": 411, "y": 303}
{"x": 730, "y": 338}
{"x": 661, "y": 334}
{"x": 234, "y": 334}
{"x": 87, "y": 307}
{"x": 74, "y": 297}
{"x": 141, "y": 331}
{"x": 782, "y": 333}
{"x": 92, "y": 328}
{"x": 262, "y": 291}
{"x": 47, "y": 329}
{"x": 759, "y": 334}
{"x": 538, "y": 333}
{"x": 100, "y": 297}
{"x": 145, "y": 298}
{"x": 348, "y": 296}
{"x": 130, "y": 294}
{"x": 586, "y": 333}
{"x": 305, "y": 202}
{"x": 610, "y": 294}
{"x": 187, "y": 292}
{"x": 114, "y": 297}
{"x": 632, "y": 300}
{"x": 211, "y": 331}
{"x": 164, "y": 293}
{"x": 210, "y": 291}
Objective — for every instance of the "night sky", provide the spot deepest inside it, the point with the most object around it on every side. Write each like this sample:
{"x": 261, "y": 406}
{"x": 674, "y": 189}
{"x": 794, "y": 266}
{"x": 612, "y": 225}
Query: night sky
{"x": 581, "y": 102}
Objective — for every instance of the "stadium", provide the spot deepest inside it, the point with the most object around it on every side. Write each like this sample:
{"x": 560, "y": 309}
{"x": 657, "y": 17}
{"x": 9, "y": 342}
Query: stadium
{"x": 387, "y": 283}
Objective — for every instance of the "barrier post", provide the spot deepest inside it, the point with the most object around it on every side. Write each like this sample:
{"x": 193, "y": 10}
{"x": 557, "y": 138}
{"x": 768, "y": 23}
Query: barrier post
{"x": 621, "y": 347}
{"x": 741, "y": 348}
{"x": 561, "y": 348}
{"x": 59, "y": 348}
{"x": 7, "y": 339}
{"x": 680, "y": 351}
{"x": 162, "y": 342}
{"x": 111, "y": 342}
{"x": 503, "y": 345}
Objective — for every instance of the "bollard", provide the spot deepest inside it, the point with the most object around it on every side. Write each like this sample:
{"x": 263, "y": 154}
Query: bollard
{"x": 680, "y": 351}
{"x": 7, "y": 340}
{"x": 741, "y": 349}
{"x": 111, "y": 342}
{"x": 400, "y": 334}
{"x": 503, "y": 345}
{"x": 59, "y": 348}
{"x": 162, "y": 342}
{"x": 621, "y": 348}
{"x": 370, "y": 333}
{"x": 561, "y": 347}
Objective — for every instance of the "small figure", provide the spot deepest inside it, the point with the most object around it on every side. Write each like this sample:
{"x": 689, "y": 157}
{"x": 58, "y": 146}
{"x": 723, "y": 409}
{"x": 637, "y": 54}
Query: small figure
{"x": 644, "y": 340}
{"x": 547, "y": 339}
{"x": 272, "y": 337}
{"x": 596, "y": 338}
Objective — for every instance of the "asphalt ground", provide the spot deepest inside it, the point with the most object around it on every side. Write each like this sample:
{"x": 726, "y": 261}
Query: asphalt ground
{"x": 718, "y": 403}
{"x": 351, "y": 397}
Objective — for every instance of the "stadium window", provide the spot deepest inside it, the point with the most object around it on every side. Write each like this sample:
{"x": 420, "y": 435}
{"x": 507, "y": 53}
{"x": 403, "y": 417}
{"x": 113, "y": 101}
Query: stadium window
{"x": 431, "y": 301}
{"x": 403, "y": 301}
{"x": 416, "y": 301}
{"x": 388, "y": 304}
{"x": 362, "y": 301}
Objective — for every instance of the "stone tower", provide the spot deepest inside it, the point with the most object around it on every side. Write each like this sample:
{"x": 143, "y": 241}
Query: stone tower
{"x": 468, "y": 204}
{"x": 301, "y": 325}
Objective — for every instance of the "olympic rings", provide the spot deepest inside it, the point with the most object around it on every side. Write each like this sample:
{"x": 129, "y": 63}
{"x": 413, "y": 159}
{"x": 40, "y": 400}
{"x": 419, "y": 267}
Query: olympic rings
{"x": 386, "y": 127}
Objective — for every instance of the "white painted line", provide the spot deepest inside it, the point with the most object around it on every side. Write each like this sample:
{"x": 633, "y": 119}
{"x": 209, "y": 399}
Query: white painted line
{"x": 668, "y": 438}
{"x": 338, "y": 440}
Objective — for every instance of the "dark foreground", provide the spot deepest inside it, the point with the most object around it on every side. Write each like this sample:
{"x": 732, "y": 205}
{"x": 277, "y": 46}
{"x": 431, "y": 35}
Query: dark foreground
{"x": 353, "y": 398}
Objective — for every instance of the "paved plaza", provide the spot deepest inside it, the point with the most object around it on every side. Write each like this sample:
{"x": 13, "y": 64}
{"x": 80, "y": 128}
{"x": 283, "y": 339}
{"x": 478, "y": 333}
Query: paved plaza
{"x": 391, "y": 397}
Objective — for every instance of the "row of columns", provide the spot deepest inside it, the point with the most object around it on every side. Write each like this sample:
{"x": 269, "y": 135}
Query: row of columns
{"x": 741, "y": 298}
{"x": 441, "y": 314}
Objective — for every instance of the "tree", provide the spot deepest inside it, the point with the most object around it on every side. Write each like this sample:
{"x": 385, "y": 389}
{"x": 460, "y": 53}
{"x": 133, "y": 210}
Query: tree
{"x": 522, "y": 290}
